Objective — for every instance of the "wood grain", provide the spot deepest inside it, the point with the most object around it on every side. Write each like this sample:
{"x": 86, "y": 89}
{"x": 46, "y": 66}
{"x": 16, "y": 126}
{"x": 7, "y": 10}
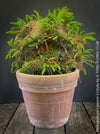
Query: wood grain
{"x": 91, "y": 110}
{"x": 20, "y": 123}
{"x": 6, "y": 113}
{"x": 52, "y": 131}
{"x": 79, "y": 121}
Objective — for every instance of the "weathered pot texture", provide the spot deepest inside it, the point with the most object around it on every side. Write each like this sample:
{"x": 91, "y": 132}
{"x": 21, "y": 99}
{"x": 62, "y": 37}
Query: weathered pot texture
{"x": 48, "y": 98}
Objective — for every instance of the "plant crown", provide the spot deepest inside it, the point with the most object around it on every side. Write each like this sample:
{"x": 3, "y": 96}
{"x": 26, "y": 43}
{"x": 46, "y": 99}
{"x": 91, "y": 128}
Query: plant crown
{"x": 54, "y": 44}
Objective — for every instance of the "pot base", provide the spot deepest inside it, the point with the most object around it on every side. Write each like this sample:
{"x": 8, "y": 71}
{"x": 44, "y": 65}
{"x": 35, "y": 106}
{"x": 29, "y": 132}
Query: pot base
{"x": 48, "y": 124}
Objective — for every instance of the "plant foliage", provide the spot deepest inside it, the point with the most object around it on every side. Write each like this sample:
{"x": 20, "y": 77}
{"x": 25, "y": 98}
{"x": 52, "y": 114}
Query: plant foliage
{"x": 51, "y": 45}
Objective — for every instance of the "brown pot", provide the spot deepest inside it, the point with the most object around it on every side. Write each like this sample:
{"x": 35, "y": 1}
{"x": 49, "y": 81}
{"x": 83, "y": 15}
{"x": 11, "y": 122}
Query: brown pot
{"x": 48, "y": 98}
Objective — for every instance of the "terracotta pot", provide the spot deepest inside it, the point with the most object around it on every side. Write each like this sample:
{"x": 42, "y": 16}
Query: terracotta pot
{"x": 48, "y": 98}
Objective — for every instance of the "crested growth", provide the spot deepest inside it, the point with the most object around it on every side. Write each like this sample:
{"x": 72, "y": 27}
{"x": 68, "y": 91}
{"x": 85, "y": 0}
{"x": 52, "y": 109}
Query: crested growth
{"x": 51, "y": 45}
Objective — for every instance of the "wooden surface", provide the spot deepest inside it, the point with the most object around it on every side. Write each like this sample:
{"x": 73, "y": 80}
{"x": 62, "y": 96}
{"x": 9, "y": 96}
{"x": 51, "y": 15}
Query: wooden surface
{"x": 6, "y": 114}
{"x": 91, "y": 109}
{"x": 20, "y": 123}
{"x": 14, "y": 120}
{"x": 79, "y": 121}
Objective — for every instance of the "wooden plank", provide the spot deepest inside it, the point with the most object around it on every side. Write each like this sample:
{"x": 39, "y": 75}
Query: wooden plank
{"x": 6, "y": 113}
{"x": 20, "y": 123}
{"x": 91, "y": 109}
{"x": 50, "y": 131}
{"x": 79, "y": 121}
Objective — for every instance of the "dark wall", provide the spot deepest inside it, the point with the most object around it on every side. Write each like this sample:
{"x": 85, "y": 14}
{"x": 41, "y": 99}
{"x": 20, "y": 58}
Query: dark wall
{"x": 85, "y": 11}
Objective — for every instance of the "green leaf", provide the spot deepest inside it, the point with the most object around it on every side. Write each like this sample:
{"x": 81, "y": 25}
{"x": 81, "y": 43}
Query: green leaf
{"x": 28, "y": 41}
{"x": 89, "y": 64}
{"x": 87, "y": 51}
{"x": 89, "y": 55}
{"x": 84, "y": 70}
{"x": 69, "y": 40}
{"x": 73, "y": 64}
{"x": 29, "y": 18}
{"x": 55, "y": 11}
{"x": 19, "y": 24}
{"x": 62, "y": 12}
{"x": 91, "y": 33}
{"x": 12, "y": 32}
{"x": 21, "y": 21}
{"x": 43, "y": 70}
{"x": 31, "y": 37}
{"x": 67, "y": 66}
{"x": 56, "y": 37}
{"x": 14, "y": 23}
{"x": 15, "y": 54}
{"x": 81, "y": 32}
{"x": 58, "y": 66}
{"x": 52, "y": 68}
{"x": 89, "y": 36}
{"x": 12, "y": 66}
{"x": 76, "y": 23}
{"x": 89, "y": 60}
{"x": 15, "y": 28}
{"x": 10, "y": 53}
{"x": 10, "y": 43}
{"x": 33, "y": 44}
{"x": 38, "y": 17}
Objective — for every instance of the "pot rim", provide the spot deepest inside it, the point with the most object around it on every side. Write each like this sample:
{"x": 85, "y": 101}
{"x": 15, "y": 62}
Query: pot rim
{"x": 41, "y": 76}
{"x": 60, "y": 83}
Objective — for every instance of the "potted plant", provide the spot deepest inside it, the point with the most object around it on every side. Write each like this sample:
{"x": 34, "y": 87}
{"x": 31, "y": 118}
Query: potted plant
{"x": 49, "y": 53}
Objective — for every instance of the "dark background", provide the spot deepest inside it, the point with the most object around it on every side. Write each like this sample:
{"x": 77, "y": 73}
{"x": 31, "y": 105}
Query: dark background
{"x": 85, "y": 11}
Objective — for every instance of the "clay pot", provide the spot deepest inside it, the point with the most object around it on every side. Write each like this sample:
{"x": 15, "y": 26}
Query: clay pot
{"x": 48, "y": 98}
